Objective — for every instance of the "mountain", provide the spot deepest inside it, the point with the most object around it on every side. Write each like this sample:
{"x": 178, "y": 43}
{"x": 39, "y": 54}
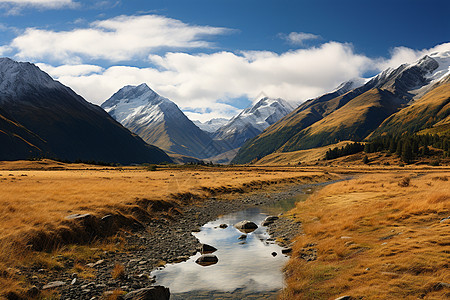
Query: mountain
{"x": 40, "y": 116}
{"x": 160, "y": 122}
{"x": 252, "y": 121}
{"x": 349, "y": 112}
{"x": 212, "y": 125}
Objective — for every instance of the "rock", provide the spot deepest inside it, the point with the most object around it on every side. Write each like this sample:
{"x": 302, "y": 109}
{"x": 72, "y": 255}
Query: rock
{"x": 79, "y": 217}
{"x": 152, "y": 293}
{"x": 74, "y": 281}
{"x": 223, "y": 226}
{"x": 441, "y": 285}
{"x": 345, "y": 298}
{"x": 246, "y": 226}
{"x": 205, "y": 249}
{"x": 269, "y": 220}
{"x": 96, "y": 264}
{"x": 74, "y": 275}
{"x": 207, "y": 260}
{"x": 242, "y": 237}
{"x": 33, "y": 291}
{"x": 53, "y": 285}
{"x": 286, "y": 251}
{"x": 274, "y": 254}
{"x": 445, "y": 219}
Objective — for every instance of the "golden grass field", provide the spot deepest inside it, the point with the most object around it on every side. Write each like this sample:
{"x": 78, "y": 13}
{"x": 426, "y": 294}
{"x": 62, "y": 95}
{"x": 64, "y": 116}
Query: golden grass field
{"x": 377, "y": 236}
{"x": 35, "y": 197}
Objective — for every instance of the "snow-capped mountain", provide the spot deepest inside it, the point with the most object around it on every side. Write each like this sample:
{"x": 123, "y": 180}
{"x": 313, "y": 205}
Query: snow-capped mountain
{"x": 160, "y": 122}
{"x": 357, "y": 111}
{"x": 212, "y": 125}
{"x": 252, "y": 121}
{"x": 42, "y": 117}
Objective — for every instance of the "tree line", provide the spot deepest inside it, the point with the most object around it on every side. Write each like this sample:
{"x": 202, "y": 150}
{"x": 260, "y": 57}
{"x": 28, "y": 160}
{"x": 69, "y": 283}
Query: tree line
{"x": 408, "y": 147}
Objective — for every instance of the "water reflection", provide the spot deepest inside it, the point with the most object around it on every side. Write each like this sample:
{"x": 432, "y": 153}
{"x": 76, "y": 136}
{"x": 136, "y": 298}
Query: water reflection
{"x": 250, "y": 265}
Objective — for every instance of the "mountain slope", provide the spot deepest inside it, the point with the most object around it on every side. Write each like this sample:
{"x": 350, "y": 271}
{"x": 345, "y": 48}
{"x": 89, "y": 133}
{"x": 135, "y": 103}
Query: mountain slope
{"x": 17, "y": 142}
{"x": 212, "y": 125}
{"x": 426, "y": 112}
{"x": 72, "y": 128}
{"x": 252, "y": 121}
{"x": 318, "y": 122}
{"x": 160, "y": 122}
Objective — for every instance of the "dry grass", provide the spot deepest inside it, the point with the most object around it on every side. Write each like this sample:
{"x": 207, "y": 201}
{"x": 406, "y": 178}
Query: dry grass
{"x": 296, "y": 157}
{"x": 375, "y": 238}
{"x": 35, "y": 198}
{"x": 118, "y": 272}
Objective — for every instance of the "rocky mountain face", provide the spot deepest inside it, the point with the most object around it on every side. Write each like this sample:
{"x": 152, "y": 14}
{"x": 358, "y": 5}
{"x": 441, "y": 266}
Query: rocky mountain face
{"x": 212, "y": 125}
{"x": 351, "y": 112}
{"x": 41, "y": 117}
{"x": 252, "y": 121}
{"x": 160, "y": 122}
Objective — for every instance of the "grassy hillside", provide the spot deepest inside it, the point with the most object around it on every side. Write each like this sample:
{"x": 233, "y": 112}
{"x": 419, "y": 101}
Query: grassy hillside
{"x": 423, "y": 114}
{"x": 297, "y": 157}
{"x": 282, "y": 131}
{"x": 353, "y": 121}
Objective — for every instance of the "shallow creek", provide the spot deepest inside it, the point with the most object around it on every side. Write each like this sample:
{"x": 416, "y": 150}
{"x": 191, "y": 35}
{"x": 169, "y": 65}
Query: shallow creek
{"x": 249, "y": 267}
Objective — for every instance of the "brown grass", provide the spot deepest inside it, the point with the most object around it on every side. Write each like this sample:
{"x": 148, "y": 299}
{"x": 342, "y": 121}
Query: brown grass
{"x": 118, "y": 272}
{"x": 35, "y": 198}
{"x": 374, "y": 239}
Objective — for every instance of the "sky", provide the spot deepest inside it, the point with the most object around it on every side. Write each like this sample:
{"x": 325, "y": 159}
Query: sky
{"x": 214, "y": 57}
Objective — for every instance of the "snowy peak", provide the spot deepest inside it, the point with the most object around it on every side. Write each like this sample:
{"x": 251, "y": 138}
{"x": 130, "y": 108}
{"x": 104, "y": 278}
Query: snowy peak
{"x": 140, "y": 105}
{"x": 263, "y": 114}
{"x": 212, "y": 125}
{"x": 253, "y": 120}
{"x": 18, "y": 78}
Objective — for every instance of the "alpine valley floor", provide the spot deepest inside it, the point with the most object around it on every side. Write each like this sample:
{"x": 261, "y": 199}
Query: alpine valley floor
{"x": 380, "y": 234}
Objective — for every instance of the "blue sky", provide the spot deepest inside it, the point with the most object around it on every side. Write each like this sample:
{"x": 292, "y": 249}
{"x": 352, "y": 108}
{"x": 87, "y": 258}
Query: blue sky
{"x": 212, "y": 57}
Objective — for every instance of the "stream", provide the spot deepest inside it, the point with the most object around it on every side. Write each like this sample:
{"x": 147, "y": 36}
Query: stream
{"x": 249, "y": 267}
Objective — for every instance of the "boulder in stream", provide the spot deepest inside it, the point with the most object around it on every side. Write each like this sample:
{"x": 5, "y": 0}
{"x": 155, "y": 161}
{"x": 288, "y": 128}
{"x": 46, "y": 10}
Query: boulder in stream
{"x": 207, "y": 260}
{"x": 205, "y": 249}
{"x": 246, "y": 226}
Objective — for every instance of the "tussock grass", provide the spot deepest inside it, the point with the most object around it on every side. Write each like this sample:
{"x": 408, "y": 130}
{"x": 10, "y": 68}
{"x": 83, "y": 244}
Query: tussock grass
{"x": 374, "y": 239}
{"x": 36, "y": 197}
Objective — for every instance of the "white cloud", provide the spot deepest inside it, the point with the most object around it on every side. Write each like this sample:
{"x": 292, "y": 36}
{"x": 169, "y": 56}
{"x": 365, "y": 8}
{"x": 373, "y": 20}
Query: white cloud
{"x": 210, "y": 83}
{"x": 70, "y": 70}
{"x": 14, "y": 7}
{"x": 118, "y": 39}
{"x": 299, "y": 38}
{"x": 402, "y": 55}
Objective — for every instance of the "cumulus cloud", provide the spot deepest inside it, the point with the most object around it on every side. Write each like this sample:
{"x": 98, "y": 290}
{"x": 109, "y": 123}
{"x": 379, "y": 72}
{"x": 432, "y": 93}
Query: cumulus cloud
{"x": 298, "y": 38}
{"x": 402, "y": 55}
{"x": 207, "y": 85}
{"x": 117, "y": 39}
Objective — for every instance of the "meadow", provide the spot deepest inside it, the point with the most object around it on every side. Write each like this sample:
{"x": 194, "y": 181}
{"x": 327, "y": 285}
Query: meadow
{"x": 37, "y": 197}
{"x": 378, "y": 236}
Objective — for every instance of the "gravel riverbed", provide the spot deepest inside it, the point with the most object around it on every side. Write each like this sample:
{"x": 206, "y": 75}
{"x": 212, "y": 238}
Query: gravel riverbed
{"x": 163, "y": 241}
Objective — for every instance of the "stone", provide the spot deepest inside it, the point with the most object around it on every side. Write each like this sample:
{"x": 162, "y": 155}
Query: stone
{"x": 345, "y": 298}
{"x": 53, "y": 285}
{"x": 242, "y": 237}
{"x": 269, "y": 220}
{"x": 205, "y": 249}
{"x": 445, "y": 219}
{"x": 74, "y": 281}
{"x": 246, "y": 226}
{"x": 223, "y": 226}
{"x": 286, "y": 250}
{"x": 78, "y": 217}
{"x": 96, "y": 264}
{"x": 207, "y": 260}
{"x": 33, "y": 291}
{"x": 152, "y": 293}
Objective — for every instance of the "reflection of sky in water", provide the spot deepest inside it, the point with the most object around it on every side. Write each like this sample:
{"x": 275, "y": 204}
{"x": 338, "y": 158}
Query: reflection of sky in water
{"x": 250, "y": 265}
